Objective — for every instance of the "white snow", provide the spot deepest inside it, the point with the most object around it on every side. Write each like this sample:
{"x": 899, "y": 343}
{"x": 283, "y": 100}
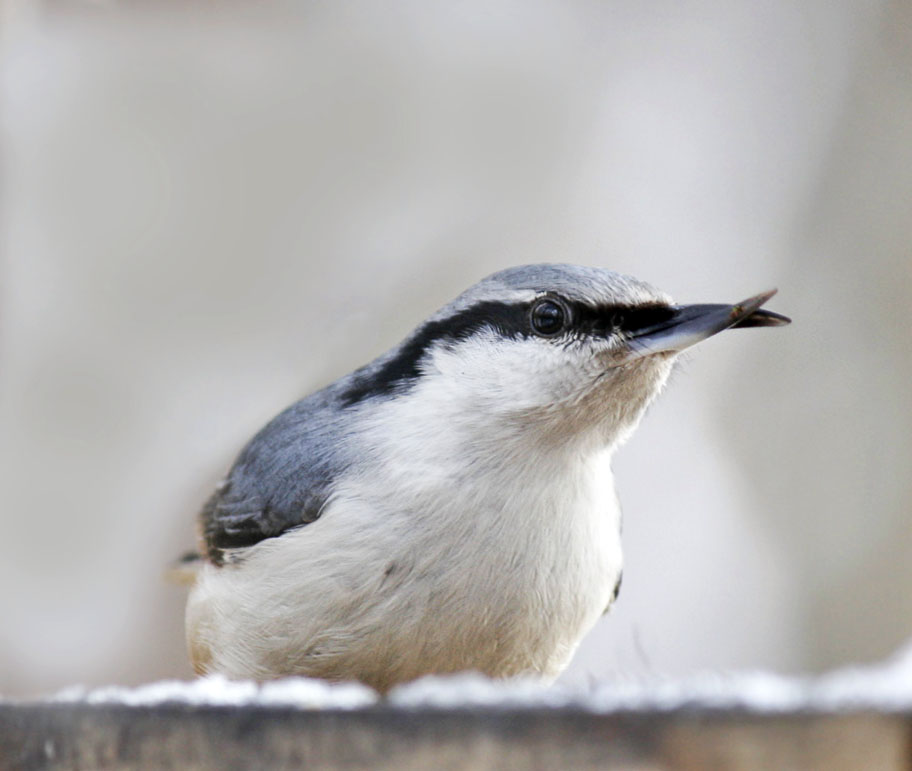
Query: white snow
{"x": 886, "y": 688}
{"x": 471, "y": 689}
{"x": 217, "y": 690}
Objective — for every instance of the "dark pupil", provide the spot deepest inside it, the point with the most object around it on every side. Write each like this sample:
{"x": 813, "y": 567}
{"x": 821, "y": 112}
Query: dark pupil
{"x": 548, "y": 318}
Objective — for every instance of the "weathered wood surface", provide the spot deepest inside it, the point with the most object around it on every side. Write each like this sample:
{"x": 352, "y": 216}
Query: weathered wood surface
{"x": 79, "y": 736}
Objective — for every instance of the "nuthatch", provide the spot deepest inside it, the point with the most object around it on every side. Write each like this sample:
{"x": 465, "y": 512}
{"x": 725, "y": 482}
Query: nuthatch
{"x": 450, "y": 506}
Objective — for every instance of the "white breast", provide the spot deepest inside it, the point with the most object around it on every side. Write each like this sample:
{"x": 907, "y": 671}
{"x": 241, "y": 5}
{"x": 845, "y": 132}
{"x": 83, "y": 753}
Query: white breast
{"x": 442, "y": 552}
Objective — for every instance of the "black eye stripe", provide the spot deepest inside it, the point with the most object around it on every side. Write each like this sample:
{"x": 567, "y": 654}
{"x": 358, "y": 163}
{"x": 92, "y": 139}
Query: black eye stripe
{"x": 390, "y": 374}
{"x": 511, "y": 320}
{"x": 605, "y": 319}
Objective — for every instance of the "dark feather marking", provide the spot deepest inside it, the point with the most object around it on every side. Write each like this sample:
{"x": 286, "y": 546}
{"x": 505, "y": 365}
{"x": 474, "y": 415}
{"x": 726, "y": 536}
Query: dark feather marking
{"x": 615, "y": 593}
{"x": 508, "y": 319}
{"x": 511, "y": 320}
{"x": 599, "y": 321}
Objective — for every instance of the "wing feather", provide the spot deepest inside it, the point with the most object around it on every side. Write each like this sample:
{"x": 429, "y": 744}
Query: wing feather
{"x": 281, "y": 479}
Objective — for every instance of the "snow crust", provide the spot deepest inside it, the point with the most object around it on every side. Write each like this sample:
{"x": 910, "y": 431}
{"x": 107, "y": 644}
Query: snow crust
{"x": 884, "y": 688}
{"x": 217, "y": 690}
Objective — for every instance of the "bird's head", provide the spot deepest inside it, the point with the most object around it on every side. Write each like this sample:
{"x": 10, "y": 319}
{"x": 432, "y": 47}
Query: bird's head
{"x": 564, "y": 346}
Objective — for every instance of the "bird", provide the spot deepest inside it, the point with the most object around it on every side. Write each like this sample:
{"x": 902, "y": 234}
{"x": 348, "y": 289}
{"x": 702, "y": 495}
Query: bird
{"x": 450, "y": 506}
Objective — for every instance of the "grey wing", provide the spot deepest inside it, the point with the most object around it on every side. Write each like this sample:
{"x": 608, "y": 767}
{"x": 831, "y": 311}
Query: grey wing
{"x": 281, "y": 480}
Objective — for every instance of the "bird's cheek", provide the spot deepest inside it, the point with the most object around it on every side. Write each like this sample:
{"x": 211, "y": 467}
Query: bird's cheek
{"x": 613, "y": 356}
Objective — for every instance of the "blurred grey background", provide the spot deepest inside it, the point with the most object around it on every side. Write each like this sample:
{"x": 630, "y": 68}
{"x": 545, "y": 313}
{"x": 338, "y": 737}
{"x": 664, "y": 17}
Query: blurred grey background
{"x": 208, "y": 212}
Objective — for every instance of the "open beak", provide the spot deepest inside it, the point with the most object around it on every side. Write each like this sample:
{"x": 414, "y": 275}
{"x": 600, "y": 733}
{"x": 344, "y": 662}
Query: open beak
{"x": 689, "y": 324}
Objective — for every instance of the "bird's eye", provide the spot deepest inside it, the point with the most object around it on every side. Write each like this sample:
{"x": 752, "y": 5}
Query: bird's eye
{"x": 549, "y": 318}
{"x": 617, "y": 320}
